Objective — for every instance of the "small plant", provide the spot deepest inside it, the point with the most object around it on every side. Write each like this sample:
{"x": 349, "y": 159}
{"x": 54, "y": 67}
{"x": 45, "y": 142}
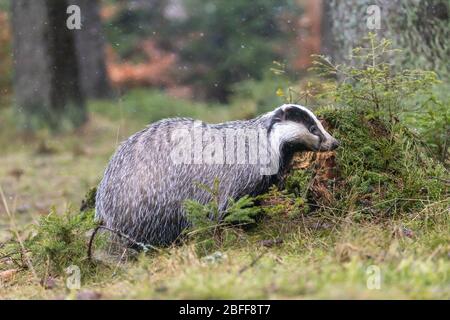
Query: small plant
{"x": 385, "y": 168}
{"x": 305, "y": 92}
{"x": 371, "y": 84}
{"x": 298, "y": 182}
{"x": 211, "y": 227}
{"x": 286, "y": 203}
{"x": 430, "y": 116}
{"x": 60, "y": 241}
{"x": 57, "y": 244}
{"x": 88, "y": 203}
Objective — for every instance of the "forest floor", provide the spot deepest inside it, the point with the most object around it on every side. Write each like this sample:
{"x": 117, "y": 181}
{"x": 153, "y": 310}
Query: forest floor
{"x": 320, "y": 256}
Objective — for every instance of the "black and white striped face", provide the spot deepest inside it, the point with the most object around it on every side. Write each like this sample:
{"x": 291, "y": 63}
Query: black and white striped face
{"x": 297, "y": 127}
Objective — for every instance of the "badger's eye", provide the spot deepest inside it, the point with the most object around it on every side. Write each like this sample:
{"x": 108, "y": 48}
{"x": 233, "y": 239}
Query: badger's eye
{"x": 314, "y": 130}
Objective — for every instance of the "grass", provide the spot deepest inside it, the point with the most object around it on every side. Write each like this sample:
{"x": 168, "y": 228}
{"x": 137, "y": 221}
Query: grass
{"x": 319, "y": 258}
{"x": 328, "y": 253}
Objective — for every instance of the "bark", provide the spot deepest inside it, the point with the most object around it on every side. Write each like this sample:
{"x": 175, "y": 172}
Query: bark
{"x": 419, "y": 27}
{"x": 46, "y": 82}
{"x": 310, "y": 33}
{"x": 90, "y": 42}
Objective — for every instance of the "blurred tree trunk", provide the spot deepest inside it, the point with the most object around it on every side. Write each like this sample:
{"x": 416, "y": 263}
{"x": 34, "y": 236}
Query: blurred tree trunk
{"x": 345, "y": 25}
{"x": 46, "y": 81}
{"x": 90, "y": 44}
{"x": 420, "y": 28}
{"x": 310, "y": 33}
{"x": 327, "y": 42}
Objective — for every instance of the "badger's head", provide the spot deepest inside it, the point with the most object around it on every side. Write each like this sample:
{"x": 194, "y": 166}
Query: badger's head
{"x": 298, "y": 129}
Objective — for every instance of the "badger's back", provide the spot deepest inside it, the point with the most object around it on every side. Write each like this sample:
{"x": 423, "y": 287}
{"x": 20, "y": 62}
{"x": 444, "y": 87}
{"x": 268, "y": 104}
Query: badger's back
{"x": 142, "y": 191}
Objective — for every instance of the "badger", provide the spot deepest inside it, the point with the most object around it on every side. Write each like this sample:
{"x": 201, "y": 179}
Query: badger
{"x": 153, "y": 172}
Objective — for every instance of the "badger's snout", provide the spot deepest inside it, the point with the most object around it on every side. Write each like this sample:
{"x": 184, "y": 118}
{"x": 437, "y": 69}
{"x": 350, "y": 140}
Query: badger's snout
{"x": 329, "y": 145}
{"x": 335, "y": 144}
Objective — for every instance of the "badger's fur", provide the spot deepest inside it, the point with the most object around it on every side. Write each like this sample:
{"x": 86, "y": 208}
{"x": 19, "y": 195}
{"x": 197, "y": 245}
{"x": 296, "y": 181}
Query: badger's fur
{"x": 143, "y": 188}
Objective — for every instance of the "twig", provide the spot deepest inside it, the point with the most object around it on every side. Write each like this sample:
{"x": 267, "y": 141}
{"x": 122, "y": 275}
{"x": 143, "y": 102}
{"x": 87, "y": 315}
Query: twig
{"x": 91, "y": 240}
{"x": 446, "y": 181}
{"x": 14, "y": 229}
{"x": 143, "y": 246}
{"x": 218, "y": 225}
{"x": 254, "y": 261}
{"x": 119, "y": 262}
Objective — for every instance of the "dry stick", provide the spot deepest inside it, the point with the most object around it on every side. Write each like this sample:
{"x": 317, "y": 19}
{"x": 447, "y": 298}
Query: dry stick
{"x": 446, "y": 181}
{"x": 427, "y": 206}
{"x": 254, "y": 261}
{"x": 91, "y": 240}
{"x": 119, "y": 262}
{"x": 14, "y": 229}
{"x": 144, "y": 247}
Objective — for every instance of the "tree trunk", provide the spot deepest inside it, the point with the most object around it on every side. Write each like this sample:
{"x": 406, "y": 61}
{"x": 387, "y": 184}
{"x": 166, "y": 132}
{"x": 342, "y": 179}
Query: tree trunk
{"x": 419, "y": 28}
{"x": 46, "y": 82}
{"x": 346, "y": 26}
{"x": 310, "y": 33}
{"x": 90, "y": 44}
{"x": 326, "y": 42}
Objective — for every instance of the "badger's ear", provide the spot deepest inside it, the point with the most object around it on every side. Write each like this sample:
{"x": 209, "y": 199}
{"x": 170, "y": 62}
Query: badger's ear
{"x": 298, "y": 115}
{"x": 288, "y": 108}
{"x": 291, "y": 112}
{"x": 277, "y": 116}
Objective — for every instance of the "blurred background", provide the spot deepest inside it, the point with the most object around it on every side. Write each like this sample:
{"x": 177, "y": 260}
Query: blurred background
{"x": 69, "y": 96}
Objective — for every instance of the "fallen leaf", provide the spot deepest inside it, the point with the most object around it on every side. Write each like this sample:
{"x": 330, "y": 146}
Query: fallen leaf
{"x": 8, "y": 275}
{"x": 88, "y": 295}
